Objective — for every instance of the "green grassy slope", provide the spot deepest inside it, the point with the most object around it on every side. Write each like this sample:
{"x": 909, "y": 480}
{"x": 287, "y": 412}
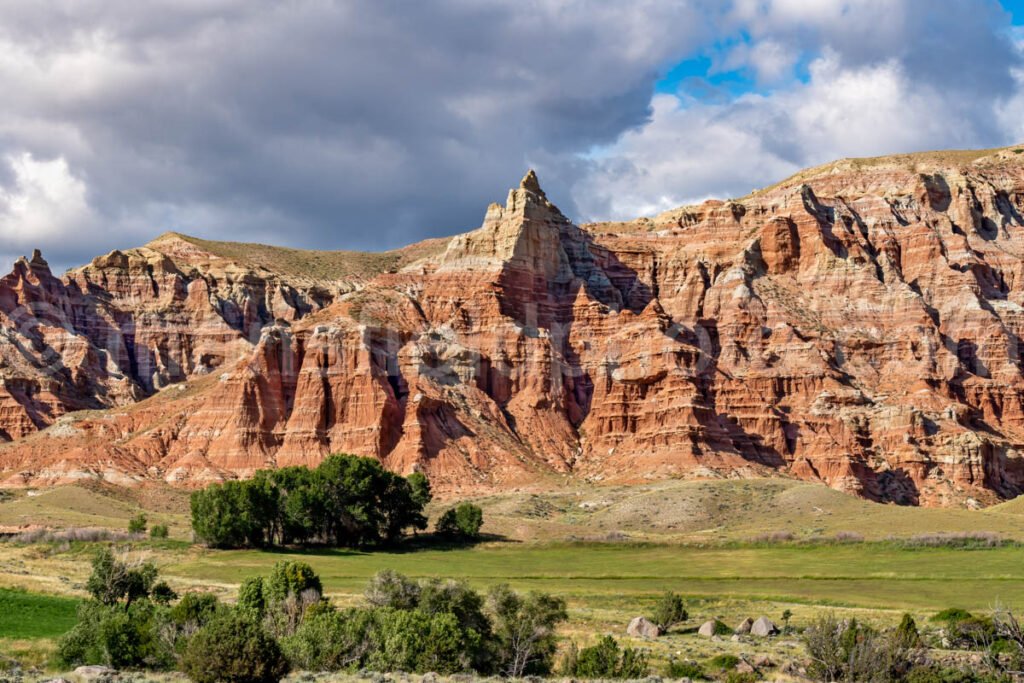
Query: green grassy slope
{"x": 96, "y": 506}
{"x": 33, "y": 615}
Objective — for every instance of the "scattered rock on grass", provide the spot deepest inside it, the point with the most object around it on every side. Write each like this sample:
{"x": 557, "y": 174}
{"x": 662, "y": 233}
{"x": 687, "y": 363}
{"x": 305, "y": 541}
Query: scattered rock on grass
{"x": 707, "y": 629}
{"x": 763, "y": 627}
{"x": 641, "y": 627}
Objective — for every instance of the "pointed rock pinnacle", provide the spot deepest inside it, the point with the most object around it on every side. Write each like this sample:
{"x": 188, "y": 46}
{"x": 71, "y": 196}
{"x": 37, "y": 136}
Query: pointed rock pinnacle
{"x": 531, "y": 183}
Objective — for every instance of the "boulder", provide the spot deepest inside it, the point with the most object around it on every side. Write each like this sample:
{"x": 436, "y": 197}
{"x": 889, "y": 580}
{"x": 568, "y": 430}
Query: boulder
{"x": 744, "y": 626}
{"x": 642, "y": 627}
{"x": 707, "y": 629}
{"x": 744, "y": 668}
{"x": 763, "y": 662}
{"x": 763, "y": 627}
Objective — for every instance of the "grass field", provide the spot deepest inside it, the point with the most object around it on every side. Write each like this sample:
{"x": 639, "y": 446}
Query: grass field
{"x": 865, "y": 575}
{"x": 691, "y": 537}
{"x": 31, "y": 615}
{"x": 30, "y": 623}
{"x": 605, "y": 584}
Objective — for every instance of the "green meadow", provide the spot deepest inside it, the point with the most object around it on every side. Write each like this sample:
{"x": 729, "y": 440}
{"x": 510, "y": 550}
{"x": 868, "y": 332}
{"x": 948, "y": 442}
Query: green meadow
{"x": 874, "y": 575}
{"x": 25, "y": 615}
{"x": 733, "y": 548}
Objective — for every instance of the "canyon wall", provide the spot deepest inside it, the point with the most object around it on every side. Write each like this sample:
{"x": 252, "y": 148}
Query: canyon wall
{"x": 858, "y": 324}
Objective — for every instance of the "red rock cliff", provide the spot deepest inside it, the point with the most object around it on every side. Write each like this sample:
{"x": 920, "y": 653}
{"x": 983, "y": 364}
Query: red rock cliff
{"x": 857, "y": 324}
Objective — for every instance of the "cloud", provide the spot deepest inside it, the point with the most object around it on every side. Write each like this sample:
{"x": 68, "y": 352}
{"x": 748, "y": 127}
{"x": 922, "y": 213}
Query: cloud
{"x": 866, "y": 92}
{"x": 359, "y": 124}
{"x": 42, "y": 201}
{"x": 374, "y": 123}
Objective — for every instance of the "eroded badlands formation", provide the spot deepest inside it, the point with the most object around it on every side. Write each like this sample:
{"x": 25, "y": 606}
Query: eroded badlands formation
{"x": 857, "y": 324}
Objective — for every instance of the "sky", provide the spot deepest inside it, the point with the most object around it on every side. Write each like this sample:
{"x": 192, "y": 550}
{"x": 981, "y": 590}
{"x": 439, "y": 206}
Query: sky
{"x": 371, "y": 124}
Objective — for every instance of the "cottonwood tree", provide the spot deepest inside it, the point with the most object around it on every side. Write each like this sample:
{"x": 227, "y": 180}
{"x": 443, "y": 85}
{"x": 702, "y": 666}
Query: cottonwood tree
{"x": 113, "y": 580}
{"x": 525, "y": 630}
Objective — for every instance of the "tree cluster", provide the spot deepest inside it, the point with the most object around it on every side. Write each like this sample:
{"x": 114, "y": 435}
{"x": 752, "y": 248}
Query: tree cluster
{"x": 435, "y": 625}
{"x": 345, "y": 501}
{"x": 283, "y": 621}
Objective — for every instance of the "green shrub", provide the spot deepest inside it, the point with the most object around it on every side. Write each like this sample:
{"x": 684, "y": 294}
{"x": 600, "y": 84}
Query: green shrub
{"x": 137, "y": 524}
{"x": 669, "y": 611}
{"x": 388, "y": 588}
{"x": 724, "y": 662}
{"x": 463, "y": 521}
{"x": 972, "y": 633}
{"x": 684, "y": 669}
{"x": 598, "y": 661}
{"x": 117, "y": 636}
{"x": 951, "y": 615}
{"x": 429, "y": 625}
{"x": 416, "y": 641}
{"x": 633, "y": 664}
{"x": 608, "y": 660}
{"x": 162, "y": 593}
{"x": 906, "y": 635}
{"x": 936, "y": 673}
{"x": 386, "y": 639}
{"x": 159, "y": 531}
{"x": 722, "y": 629}
{"x": 252, "y": 595}
{"x": 332, "y": 641}
{"x": 849, "y": 651}
{"x": 233, "y": 648}
{"x": 195, "y": 608}
{"x": 120, "y": 625}
{"x": 291, "y": 578}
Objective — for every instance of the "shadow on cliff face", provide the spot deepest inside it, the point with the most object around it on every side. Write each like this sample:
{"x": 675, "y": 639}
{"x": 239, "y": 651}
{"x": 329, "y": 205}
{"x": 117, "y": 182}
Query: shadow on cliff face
{"x": 1004, "y": 472}
{"x": 895, "y": 486}
{"x": 537, "y": 303}
{"x": 937, "y": 192}
{"x": 634, "y": 292}
{"x": 734, "y": 437}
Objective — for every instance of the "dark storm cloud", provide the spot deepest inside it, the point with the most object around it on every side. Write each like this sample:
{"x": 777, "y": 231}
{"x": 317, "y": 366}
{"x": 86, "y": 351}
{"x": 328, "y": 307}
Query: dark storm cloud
{"x": 317, "y": 123}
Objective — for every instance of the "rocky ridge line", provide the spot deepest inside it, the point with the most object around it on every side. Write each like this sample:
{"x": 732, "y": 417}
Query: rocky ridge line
{"x": 858, "y": 324}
